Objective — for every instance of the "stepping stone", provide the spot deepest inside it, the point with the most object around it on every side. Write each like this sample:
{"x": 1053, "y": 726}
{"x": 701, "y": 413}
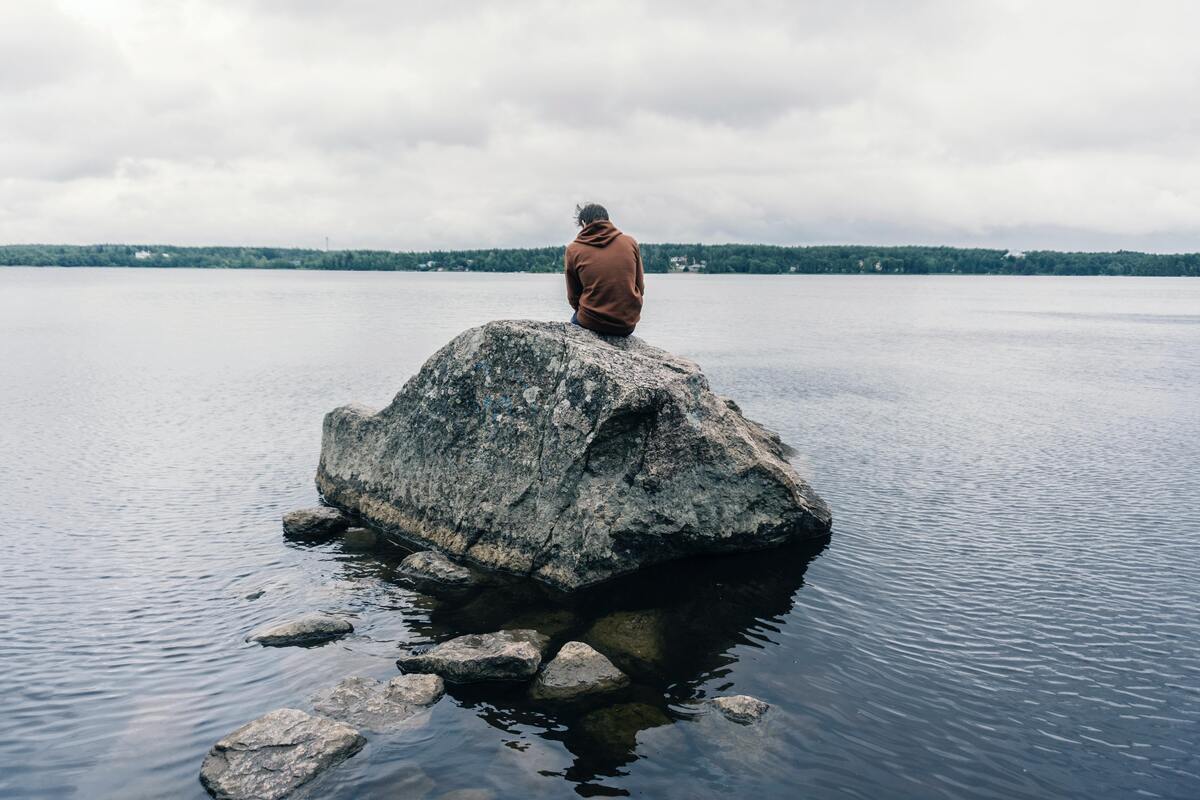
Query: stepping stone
{"x": 314, "y": 522}
{"x": 577, "y": 670}
{"x": 501, "y": 656}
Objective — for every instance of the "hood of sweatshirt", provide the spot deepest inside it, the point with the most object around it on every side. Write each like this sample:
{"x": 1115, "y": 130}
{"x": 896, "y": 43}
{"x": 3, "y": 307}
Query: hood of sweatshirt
{"x": 598, "y": 234}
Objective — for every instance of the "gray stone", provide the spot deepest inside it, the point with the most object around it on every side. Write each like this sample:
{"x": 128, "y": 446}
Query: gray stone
{"x": 431, "y": 567}
{"x": 623, "y": 457}
{"x": 740, "y": 708}
{"x": 276, "y": 754}
{"x": 505, "y": 655}
{"x": 309, "y": 629}
{"x": 372, "y": 705}
{"x": 577, "y": 670}
{"x": 634, "y": 639}
{"x": 313, "y": 522}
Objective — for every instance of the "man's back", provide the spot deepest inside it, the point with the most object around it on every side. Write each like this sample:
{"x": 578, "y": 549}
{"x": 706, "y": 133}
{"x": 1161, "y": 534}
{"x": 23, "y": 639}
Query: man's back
{"x": 605, "y": 282}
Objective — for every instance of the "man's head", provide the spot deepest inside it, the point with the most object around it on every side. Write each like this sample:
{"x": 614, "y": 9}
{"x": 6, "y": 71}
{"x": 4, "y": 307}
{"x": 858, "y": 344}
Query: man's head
{"x": 588, "y": 213}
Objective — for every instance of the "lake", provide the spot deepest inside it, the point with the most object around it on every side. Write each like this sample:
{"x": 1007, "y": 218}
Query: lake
{"x": 1009, "y": 606}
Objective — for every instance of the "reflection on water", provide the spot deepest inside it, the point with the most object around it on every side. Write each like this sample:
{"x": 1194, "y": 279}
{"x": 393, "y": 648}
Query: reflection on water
{"x": 1007, "y": 608}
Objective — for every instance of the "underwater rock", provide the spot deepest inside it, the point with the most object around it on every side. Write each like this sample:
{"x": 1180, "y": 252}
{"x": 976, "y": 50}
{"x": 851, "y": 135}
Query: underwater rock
{"x": 276, "y": 754}
{"x": 577, "y": 670}
{"x": 314, "y": 522}
{"x": 614, "y": 729}
{"x": 500, "y": 656}
{"x": 309, "y": 629}
{"x": 363, "y": 538}
{"x": 545, "y": 449}
{"x": 633, "y": 639}
{"x": 740, "y": 708}
{"x": 372, "y": 705}
{"x": 430, "y": 567}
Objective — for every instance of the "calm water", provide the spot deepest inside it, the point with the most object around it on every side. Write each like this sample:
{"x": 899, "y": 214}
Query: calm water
{"x": 1008, "y": 607}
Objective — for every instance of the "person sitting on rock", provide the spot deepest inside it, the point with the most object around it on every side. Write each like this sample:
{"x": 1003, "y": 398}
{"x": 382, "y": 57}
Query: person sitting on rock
{"x": 605, "y": 282}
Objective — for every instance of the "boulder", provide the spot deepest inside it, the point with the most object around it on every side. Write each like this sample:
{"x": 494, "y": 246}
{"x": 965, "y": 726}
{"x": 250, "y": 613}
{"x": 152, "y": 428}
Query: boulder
{"x": 740, "y": 708}
{"x": 545, "y": 449}
{"x": 276, "y": 754}
{"x": 309, "y": 629}
{"x": 430, "y": 567}
{"x": 314, "y": 522}
{"x": 501, "y": 656}
{"x": 372, "y": 705}
{"x": 576, "y": 671}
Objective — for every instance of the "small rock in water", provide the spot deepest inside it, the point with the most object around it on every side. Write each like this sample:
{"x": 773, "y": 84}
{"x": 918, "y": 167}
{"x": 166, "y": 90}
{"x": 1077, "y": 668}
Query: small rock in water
{"x": 310, "y": 522}
{"x": 372, "y": 705}
{"x": 577, "y": 670}
{"x": 256, "y": 594}
{"x": 633, "y": 639}
{"x": 276, "y": 754}
{"x": 740, "y": 708}
{"x": 505, "y": 655}
{"x": 309, "y": 629}
{"x": 430, "y": 566}
{"x": 360, "y": 537}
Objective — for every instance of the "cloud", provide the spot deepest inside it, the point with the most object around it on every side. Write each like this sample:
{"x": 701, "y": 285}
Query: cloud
{"x": 418, "y": 125}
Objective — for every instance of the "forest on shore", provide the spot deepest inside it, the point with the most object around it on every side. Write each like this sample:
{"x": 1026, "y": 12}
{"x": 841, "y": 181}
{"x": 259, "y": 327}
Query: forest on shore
{"x": 706, "y": 258}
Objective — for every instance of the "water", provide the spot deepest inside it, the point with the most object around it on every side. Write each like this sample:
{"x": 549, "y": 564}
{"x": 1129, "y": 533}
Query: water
{"x": 1007, "y": 608}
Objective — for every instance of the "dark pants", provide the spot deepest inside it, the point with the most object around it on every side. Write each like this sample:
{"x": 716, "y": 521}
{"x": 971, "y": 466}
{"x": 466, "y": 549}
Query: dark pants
{"x": 575, "y": 319}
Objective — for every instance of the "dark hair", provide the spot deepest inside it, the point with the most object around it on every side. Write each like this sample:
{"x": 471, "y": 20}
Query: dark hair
{"x": 588, "y": 213}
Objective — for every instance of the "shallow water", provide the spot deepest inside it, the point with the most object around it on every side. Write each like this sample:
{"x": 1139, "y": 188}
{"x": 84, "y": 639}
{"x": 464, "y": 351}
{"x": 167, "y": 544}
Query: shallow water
{"x": 1008, "y": 607}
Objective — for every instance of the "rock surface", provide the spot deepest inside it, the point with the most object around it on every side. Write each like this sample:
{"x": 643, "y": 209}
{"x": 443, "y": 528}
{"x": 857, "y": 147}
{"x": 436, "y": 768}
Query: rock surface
{"x": 741, "y": 708}
{"x": 319, "y": 521}
{"x": 431, "y": 567}
{"x": 545, "y": 449}
{"x": 501, "y": 656}
{"x": 275, "y": 754}
{"x": 634, "y": 639}
{"x": 577, "y": 670}
{"x": 372, "y": 705}
{"x": 309, "y": 629}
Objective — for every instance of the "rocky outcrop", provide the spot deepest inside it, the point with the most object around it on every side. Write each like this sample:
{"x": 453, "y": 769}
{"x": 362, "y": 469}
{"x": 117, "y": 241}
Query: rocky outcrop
{"x": 372, "y": 705}
{"x": 545, "y": 449}
{"x": 276, "y": 754}
{"x": 431, "y": 568}
{"x": 314, "y": 522}
{"x": 502, "y": 656}
{"x": 309, "y": 629}
{"x": 740, "y": 708}
{"x": 576, "y": 671}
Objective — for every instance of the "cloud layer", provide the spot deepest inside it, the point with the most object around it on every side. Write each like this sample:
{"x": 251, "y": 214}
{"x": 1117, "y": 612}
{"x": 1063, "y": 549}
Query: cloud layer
{"x": 411, "y": 125}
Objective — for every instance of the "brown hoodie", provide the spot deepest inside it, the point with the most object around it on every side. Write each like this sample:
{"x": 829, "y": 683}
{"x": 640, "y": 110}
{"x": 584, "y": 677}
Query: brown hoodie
{"x": 604, "y": 279}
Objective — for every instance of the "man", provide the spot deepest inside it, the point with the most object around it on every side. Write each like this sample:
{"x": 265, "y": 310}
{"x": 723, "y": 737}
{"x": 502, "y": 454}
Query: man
{"x": 605, "y": 282}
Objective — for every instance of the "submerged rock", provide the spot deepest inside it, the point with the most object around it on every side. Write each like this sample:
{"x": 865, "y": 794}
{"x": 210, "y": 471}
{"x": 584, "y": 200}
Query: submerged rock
{"x": 740, "y": 708}
{"x": 276, "y": 754}
{"x": 501, "y": 656}
{"x": 372, "y": 705}
{"x": 577, "y": 670}
{"x": 634, "y": 639}
{"x": 433, "y": 568}
{"x": 309, "y": 629}
{"x": 363, "y": 538}
{"x": 615, "y": 729}
{"x": 312, "y": 522}
{"x": 545, "y": 449}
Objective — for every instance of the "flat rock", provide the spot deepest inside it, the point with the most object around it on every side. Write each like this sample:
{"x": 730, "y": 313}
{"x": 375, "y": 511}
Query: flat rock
{"x": 372, "y": 705}
{"x": 545, "y": 449}
{"x": 315, "y": 522}
{"x": 431, "y": 567}
{"x": 577, "y": 670}
{"x": 740, "y": 708}
{"x": 276, "y": 754}
{"x": 634, "y": 639}
{"x": 504, "y": 655}
{"x": 309, "y": 629}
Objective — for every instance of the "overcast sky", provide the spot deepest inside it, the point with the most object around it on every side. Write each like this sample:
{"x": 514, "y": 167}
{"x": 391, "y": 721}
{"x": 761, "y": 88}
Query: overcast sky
{"x": 414, "y": 125}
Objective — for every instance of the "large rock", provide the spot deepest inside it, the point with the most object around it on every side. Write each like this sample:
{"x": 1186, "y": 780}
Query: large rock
{"x": 576, "y": 671}
{"x": 545, "y": 449}
{"x": 372, "y": 705}
{"x": 314, "y": 522}
{"x": 501, "y": 656}
{"x": 276, "y": 754}
{"x": 309, "y": 629}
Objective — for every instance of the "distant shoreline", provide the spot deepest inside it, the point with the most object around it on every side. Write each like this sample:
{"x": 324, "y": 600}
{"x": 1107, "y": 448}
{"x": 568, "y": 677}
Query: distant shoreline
{"x": 658, "y": 258}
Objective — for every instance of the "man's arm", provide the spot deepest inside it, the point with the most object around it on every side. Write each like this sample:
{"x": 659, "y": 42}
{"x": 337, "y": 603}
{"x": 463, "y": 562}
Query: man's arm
{"x": 641, "y": 276}
{"x": 574, "y": 287}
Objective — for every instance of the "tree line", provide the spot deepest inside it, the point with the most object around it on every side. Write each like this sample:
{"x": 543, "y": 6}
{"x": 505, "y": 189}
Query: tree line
{"x": 708, "y": 258}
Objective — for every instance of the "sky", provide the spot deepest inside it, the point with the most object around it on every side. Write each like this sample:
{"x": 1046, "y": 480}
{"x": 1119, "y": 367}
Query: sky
{"x": 420, "y": 125}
